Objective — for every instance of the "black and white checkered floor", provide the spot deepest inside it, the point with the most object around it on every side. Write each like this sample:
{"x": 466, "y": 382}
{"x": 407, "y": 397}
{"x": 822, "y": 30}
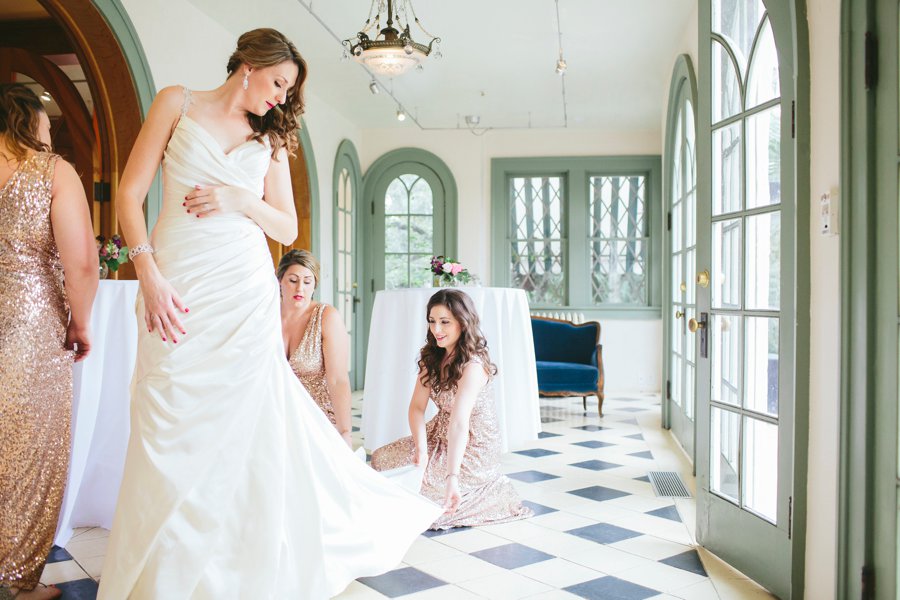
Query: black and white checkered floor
{"x": 598, "y": 532}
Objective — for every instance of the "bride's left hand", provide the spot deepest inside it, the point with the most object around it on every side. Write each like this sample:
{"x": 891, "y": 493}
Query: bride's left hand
{"x": 452, "y": 495}
{"x": 208, "y": 200}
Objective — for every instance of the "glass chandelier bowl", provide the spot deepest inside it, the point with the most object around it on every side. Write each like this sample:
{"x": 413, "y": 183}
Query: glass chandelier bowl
{"x": 393, "y": 51}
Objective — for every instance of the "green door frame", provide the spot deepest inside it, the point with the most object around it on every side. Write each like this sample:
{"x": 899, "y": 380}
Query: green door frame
{"x": 347, "y": 158}
{"x": 421, "y": 159}
{"x": 793, "y": 27}
{"x": 683, "y": 79}
{"x": 868, "y": 484}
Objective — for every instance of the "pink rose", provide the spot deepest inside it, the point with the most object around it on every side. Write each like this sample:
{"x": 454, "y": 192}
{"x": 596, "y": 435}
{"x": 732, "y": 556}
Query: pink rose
{"x": 455, "y": 268}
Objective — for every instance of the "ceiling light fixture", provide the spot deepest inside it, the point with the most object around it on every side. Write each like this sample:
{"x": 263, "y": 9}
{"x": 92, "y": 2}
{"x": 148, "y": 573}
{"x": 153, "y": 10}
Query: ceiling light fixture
{"x": 46, "y": 97}
{"x": 401, "y": 115}
{"x": 391, "y": 51}
{"x": 561, "y": 65}
{"x": 373, "y": 87}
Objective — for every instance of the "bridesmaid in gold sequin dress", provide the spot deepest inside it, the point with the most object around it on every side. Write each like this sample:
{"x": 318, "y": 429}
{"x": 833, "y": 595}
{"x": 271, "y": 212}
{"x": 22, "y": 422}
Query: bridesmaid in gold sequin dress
{"x": 45, "y": 232}
{"x": 315, "y": 340}
{"x": 461, "y": 444}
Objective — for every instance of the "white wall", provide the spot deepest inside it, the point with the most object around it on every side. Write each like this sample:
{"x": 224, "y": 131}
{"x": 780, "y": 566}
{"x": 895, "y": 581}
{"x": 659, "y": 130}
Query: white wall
{"x": 469, "y": 158}
{"x": 824, "y": 376}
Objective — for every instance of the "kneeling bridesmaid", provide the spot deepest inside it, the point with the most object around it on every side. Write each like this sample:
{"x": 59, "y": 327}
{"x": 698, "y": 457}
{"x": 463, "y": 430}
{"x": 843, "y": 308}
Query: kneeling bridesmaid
{"x": 461, "y": 444}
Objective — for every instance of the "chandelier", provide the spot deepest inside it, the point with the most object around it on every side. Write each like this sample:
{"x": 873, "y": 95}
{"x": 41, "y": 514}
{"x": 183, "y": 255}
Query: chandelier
{"x": 392, "y": 51}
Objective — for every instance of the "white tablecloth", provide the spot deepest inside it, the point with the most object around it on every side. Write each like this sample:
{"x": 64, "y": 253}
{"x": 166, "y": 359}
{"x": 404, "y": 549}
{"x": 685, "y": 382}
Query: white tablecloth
{"x": 396, "y": 335}
{"x": 100, "y": 412}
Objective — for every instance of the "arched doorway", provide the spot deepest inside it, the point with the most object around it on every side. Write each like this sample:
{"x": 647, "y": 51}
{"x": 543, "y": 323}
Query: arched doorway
{"x": 85, "y": 55}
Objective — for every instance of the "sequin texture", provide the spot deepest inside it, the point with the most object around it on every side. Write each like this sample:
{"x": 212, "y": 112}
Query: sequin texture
{"x": 35, "y": 374}
{"x": 308, "y": 363}
{"x": 486, "y": 495}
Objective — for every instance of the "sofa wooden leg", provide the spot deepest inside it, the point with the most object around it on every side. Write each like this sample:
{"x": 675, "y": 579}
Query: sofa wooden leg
{"x": 599, "y": 405}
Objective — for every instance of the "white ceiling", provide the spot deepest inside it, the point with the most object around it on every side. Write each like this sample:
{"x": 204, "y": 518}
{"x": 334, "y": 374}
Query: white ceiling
{"x": 498, "y": 60}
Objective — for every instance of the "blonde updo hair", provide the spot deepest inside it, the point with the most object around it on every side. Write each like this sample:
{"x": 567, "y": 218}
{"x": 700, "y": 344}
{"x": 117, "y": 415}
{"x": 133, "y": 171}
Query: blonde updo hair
{"x": 266, "y": 47}
{"x": 20, "y": 111}
{"x": 304, "y": 258}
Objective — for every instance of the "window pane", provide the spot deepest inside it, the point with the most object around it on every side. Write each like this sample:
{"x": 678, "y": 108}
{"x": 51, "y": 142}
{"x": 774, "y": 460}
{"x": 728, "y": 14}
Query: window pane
{"x": 764, "y": 158}
{"x": 348, "y": 194}
{"x": 537, "y": 259}
{"x": 619, "y": 243}
{"x": 761, "y": 389}
{"x": 676, "y": 380}
{"x": 619, "y": 275}
{"x": 396, "y": 234}
{"x": 689, "y": 392}
{"x": 396, "y": 271}
{"x": 723, "y": 457}
{"x": 690, "y": 276}
{"x": 763, "y": 83}
{"x": 726, "y": 91}
{"x": 396, "y": 199}
{"x": 726, "y": 264}
{"x": 348, "y": 228}
{"x": 726, "y": 172}
{"x": 421, "y": 234}
{"x": 726, "y": 359}
{"x": 677, "y": 278}
{"x": 764, "y": 261}
{"x": 538, "y": 270}
{"x": 760, "y": 476}
{"x": 420, "y": 270}
{"x": 342, "y": 190}
{"x": 421, "y": 201}
{"x": 737, "y": 22}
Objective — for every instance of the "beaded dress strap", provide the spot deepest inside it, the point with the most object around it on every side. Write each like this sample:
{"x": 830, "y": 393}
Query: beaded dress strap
{"x": 187, "y": 101}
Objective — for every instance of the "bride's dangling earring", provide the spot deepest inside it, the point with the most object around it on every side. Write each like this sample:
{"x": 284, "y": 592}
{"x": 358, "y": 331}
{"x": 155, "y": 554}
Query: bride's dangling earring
{"x": 246, "y": 83}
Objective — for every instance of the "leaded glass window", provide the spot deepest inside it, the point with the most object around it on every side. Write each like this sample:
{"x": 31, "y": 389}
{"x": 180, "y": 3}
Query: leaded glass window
{"x": 538, "y": 238}
{"x": 619, "y": 240}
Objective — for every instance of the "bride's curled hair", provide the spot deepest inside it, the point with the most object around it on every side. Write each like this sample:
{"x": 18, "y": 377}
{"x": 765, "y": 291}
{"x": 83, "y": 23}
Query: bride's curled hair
{"x": 471, "y": 344}
{"x": 266, "y": 48}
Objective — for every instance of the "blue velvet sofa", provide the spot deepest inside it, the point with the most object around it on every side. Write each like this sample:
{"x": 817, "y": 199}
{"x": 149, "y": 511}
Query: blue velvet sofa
{"x": 569, "y": 359}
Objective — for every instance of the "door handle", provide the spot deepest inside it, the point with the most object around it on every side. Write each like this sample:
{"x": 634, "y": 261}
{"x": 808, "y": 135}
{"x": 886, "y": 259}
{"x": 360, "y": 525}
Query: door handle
{"x": 703, "y": 278}
{"x": 678, "y": 314}
{"x": 694, "y": 325}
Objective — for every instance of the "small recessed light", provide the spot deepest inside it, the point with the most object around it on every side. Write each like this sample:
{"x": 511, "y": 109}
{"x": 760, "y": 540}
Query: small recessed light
{"x": 401, "y": 116}
{"x": 46, "y": 97}
{"x": 373, "y": 87}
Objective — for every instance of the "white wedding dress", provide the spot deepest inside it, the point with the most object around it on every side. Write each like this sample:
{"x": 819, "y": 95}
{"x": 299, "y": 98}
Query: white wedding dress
{"x": 236, "y": 485}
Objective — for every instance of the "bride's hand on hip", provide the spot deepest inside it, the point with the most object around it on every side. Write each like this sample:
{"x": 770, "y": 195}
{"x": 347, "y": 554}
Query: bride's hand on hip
{"x": 162, "y": 305}
{"x": 208, "y": 200}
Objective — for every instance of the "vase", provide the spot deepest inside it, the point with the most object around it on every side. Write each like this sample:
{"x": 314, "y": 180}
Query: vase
{"x": 448, "y": 281}
{"x": 104, "y": 270}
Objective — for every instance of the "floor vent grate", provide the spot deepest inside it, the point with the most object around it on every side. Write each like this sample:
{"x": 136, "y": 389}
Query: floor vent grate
{"x": 668, "y": 484}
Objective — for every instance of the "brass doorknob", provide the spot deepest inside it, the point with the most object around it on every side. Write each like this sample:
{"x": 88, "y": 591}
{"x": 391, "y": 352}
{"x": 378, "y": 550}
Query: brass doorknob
{"x": 683, "y": 286}
{"x": 703, "y": 278}
{"x": 678, "y": 314}
{"x": 694, "y": 325}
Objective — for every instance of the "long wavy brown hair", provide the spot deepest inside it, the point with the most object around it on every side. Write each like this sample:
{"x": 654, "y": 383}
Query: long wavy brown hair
{"x": 20, "y": 111}
{"x": 266, "y": 48}
{"x": 471, "y": 343}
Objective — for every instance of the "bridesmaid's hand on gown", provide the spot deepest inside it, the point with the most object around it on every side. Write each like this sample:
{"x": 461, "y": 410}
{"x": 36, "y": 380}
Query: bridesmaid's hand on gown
{"x": 451, "y": 496}
{"x": 78, "y": 339}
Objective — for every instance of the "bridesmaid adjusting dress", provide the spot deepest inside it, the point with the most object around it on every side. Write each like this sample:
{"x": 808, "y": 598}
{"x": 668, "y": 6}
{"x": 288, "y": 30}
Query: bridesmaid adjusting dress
{"x": 456, "y": 374}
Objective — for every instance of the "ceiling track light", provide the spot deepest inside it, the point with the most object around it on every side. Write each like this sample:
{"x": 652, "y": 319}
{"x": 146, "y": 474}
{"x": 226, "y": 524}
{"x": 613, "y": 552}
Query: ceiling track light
{"x": 401, "y": 114}
{"x": 561, "y": 65}
{"x": 46, "y": 97}
{"x": 373, "y": 87}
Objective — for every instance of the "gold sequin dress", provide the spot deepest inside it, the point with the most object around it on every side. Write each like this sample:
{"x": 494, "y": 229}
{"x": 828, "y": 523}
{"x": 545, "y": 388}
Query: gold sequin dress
{"x": 486, "y": 496}
{"x": 308, "y": 363}
{"x": 35, "y": 374}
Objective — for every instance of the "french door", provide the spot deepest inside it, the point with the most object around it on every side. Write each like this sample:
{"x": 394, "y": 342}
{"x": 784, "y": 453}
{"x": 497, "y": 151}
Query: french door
{"x": 681, "y": 185}
{"x": 745, "y": 314}
{"x": 348, "y": 259}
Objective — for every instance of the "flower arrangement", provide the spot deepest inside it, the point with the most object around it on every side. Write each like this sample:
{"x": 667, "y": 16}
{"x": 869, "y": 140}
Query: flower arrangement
{"x": 113, "y": 252}
{"x": 446, "y": 271}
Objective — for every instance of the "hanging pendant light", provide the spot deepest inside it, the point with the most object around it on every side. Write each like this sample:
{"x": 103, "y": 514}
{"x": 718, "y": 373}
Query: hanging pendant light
{"x": 392, "y": 51}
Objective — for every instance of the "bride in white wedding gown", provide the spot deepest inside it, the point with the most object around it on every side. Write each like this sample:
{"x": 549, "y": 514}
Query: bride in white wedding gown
{"x": 235, "y": 484}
